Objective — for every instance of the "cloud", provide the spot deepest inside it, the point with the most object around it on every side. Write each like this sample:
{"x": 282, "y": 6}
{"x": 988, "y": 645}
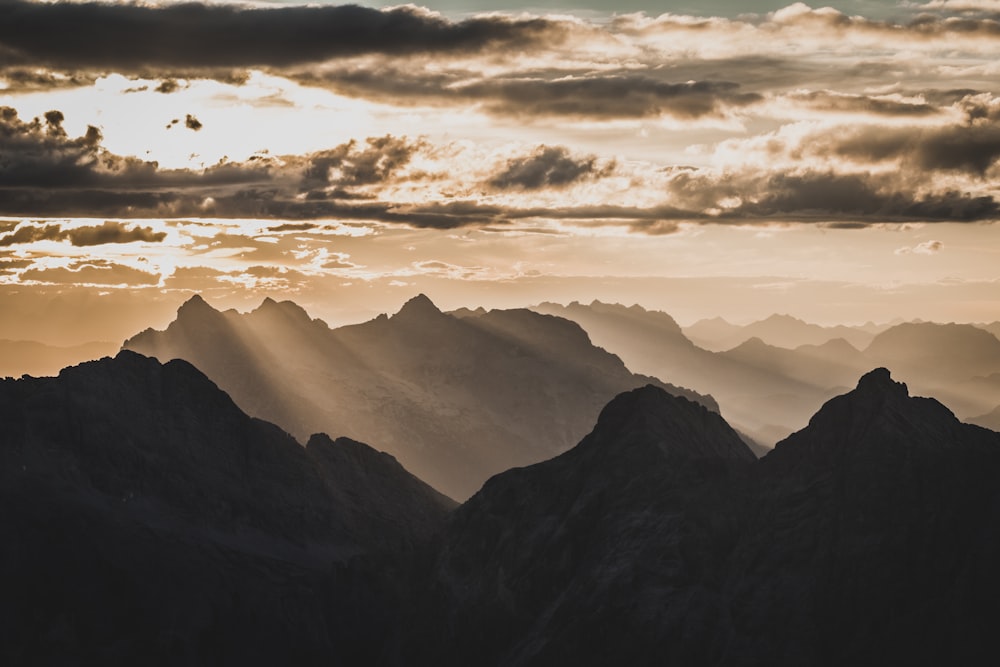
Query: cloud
{"x": 192, "y": 123}
{"x": 925, "y": 248}
{"x": 836, "y": 102}
{"x": 91, "y": 272}
{"x": 293, "y": 227}
{"x": 607, "y": 95}
{"x": 130, "y": 37}
{"x": 33, "y": 79}
{"x": 547, "y": 167}
{"x": 109, "y": 232}
{"x": 112, "y": 232}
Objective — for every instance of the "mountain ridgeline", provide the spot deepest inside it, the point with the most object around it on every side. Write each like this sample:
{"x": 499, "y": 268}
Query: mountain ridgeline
{"x": 870, "y": 537}
{"x": 779, "y": 371}
{"x": 148, "y": 520}
{"x": 456, "y": 400}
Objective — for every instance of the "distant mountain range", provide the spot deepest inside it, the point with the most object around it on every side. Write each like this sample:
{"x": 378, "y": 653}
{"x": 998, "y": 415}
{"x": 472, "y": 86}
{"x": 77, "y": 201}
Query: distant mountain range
{"x": 769, "y": 391}
{"x": 717, "y": 334}
{"x": 455, "y": 399}
{"x": 148, "y": 520}
{"x": 23, "y": 357}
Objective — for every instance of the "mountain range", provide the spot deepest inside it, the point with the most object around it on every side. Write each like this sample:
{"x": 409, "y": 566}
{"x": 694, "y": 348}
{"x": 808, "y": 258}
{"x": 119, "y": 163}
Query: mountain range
{"x": 147, "y": 519}
{"x": 769, "y": 391}
{"x": 455, "y": 399}
{"x": 869, "y": 537}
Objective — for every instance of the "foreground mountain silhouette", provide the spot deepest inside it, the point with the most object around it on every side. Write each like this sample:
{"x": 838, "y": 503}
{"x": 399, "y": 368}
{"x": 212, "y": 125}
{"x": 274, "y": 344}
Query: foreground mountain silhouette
{"x": 870, "y": 537}
{"x": 145, "y": 517}
{"x": 146, "y": 520}
{"x": 456, "y": 400}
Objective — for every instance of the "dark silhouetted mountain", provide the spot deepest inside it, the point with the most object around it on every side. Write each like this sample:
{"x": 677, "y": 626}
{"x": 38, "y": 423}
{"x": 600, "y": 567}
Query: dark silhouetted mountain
{"x": 456, "y": 400}
{"x": 147, "y": 520}
{"x": 777, "y": 330}
{"x": 22, "y": 357}
{"x": 870, "y": 537}
{"x": 577, "y": 560}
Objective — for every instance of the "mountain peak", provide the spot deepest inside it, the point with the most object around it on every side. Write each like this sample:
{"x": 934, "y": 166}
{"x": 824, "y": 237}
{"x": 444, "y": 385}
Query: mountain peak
{"x": 880, "y": 380}
{"x": 676, "y": 426}
{"x": 418, "y": 306}
{"x": 195, "y": 306}
{"x": 284, "y": 308}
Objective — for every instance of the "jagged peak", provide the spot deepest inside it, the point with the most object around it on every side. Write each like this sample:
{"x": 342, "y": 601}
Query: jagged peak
{"x": 880, "y": 380}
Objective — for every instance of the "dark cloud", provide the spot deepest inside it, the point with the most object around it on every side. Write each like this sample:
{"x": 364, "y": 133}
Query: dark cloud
{"x": 293, "y": 227}
{"x": 168, "y": 86}
{"x": 112, "y": 232}
{"x": 109, "y": 232}
{"x": 547, "y": 167}
{"x": 44, "y": 172}
{"x": 351, "y": 164}
{"x": 970, "y": 147}
{"x": 192, "y": 123}
{"x": 132, "y": 36}
{"x": 622, "y": 96}
{"x": 826, "y": 196}
{"x": 30, "y": 234}
{"x": 824, "y": 100}
{"x": 33, "y": 79}
{"x": 544, "y": 93}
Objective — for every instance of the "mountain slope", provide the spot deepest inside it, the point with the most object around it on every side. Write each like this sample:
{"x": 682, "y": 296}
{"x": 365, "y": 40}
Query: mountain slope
{"x": 454, "y": 399}
{"x": 146, "y": 519}
{"x": 870, "y": 537}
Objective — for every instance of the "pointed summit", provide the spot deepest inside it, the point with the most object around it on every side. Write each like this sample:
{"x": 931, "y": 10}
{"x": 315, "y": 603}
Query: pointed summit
{"x": 194, "y": 307}
{"x": 418, "y": 308}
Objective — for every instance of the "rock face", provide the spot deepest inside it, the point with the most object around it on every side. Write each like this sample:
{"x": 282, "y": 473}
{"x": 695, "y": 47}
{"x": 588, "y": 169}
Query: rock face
{"x": 456, "y": 400}
{"x": 145, "y": 518}
{"x": 869, "y": 537}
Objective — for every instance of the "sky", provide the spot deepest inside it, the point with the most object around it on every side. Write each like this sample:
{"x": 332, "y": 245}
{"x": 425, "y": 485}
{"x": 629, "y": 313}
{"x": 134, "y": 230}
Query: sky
{"x": 835, "y": 162}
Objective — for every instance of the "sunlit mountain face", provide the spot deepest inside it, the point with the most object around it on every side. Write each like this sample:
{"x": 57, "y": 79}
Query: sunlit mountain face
{"x": 738, "y": 159}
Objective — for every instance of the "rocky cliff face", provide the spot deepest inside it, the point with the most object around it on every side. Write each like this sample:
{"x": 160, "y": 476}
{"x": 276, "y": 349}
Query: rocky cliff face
{"x": 456, "y": 400}
{"x": 869, "y": 537}
{"x": 146, "y": 518}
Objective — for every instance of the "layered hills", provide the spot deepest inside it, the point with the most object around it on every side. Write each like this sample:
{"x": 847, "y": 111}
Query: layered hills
{"x": 768, "y": 391}
{"x": 455, "y": 399}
